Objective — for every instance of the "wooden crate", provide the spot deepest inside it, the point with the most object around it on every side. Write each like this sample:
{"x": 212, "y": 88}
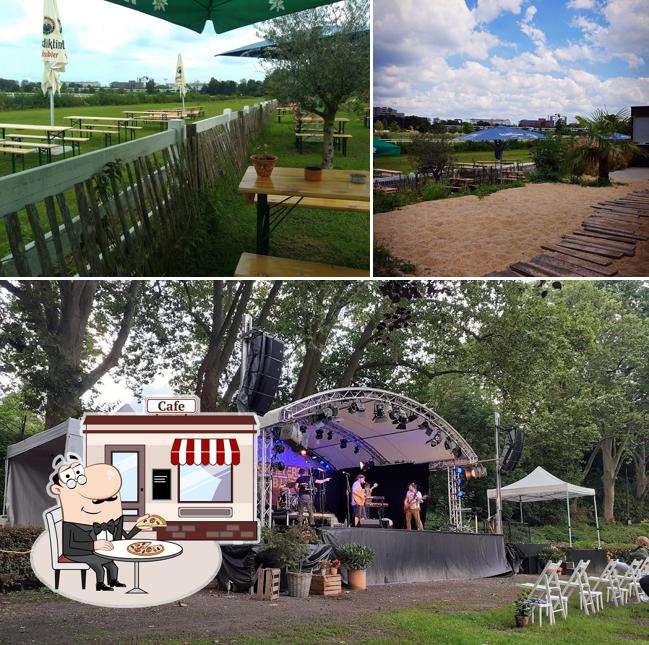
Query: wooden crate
{"x": 268, "y": 584}
{"x": 326, "y": 585}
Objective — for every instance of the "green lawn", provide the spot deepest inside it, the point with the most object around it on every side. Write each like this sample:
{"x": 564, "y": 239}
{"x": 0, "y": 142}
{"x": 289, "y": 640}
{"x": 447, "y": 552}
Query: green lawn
{"x": 424, "y": 625}
{"x": 229, "y": 227}
{"x": 404, "y": 164}
{"x": 586, "y": 535}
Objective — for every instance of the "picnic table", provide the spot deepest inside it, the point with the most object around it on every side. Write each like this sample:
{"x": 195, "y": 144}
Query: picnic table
{"x": 317, "y": 120}
{"x": 457, "y": 183}
{"x": 283, "y": 111}
{"x": 52, "y": 132}
{"x": 121, "y": 122}
{"x": 287, "y": 189}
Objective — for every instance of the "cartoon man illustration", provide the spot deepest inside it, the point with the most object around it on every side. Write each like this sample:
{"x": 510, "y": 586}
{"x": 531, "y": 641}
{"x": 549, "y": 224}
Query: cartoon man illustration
{"x": 92, "y": 515}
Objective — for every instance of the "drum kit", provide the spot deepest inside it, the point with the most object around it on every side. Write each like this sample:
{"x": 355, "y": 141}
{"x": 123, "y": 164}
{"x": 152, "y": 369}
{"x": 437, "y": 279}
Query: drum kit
{"x": 287, "y": 499}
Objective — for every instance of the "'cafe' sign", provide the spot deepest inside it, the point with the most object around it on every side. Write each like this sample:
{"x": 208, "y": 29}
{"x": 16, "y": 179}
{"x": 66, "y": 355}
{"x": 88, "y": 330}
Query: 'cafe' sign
{"x": 172, "y": 405}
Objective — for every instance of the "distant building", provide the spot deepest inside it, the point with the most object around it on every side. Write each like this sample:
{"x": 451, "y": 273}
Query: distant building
{"x": 537, "y": 123}
{"x": 390, "y": 113}
{"x": 129, "y": 86}
{"x": 84, "y": 85}
{"x": 640, "y": 121}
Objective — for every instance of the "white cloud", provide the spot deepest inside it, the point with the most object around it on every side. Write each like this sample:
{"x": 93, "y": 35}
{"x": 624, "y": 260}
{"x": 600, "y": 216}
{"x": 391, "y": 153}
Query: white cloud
{"x": 488, "y": 10}
{"x": 534, "y": 33}
{"x": 581, "y": 4}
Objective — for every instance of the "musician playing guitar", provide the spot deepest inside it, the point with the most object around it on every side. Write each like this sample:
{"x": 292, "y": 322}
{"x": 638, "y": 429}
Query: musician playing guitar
{"x": 360, "y": 493}
{"x": 412, "y": 506}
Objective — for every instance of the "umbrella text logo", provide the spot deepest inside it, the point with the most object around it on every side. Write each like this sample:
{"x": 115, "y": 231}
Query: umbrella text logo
{"x": 48, "y": 26}
{"x": 160, "y": 5}
{"x": 276, "y": 5}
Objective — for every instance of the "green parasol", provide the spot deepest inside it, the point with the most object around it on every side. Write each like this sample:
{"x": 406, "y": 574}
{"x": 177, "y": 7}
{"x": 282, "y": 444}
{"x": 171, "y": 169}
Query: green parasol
{"x": 224, "y": 14}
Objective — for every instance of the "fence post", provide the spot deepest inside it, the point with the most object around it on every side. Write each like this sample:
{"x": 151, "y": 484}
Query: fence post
{"x": 193, "y": 153}
{"x": 178, "y": 126}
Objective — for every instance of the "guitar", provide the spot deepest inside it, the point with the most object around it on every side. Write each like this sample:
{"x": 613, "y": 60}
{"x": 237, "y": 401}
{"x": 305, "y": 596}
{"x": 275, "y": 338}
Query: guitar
{"x": 360, "y": 496}
{"x": 408, "y": 503}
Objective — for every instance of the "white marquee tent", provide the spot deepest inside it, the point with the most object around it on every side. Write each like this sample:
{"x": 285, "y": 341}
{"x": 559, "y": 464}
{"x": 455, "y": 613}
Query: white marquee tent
{"x": 542, "y": 486}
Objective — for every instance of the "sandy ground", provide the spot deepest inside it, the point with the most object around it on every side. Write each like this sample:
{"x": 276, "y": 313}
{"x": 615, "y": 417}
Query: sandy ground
{"x": 469, "y": 236}
{"x": 44, "y": 618}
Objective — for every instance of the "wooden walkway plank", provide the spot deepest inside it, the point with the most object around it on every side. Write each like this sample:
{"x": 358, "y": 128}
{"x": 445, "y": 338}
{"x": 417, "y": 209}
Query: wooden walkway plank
{"x": 592, "y": 268}
{"x": 587, "y": 257}
{"x": 599, "y": 250}
{"x": 624, "y": 247}
{"x": 611, "y": 237}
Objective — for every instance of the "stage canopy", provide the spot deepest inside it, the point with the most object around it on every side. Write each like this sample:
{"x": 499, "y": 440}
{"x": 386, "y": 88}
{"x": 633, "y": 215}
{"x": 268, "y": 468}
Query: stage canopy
{"x": 541, "y": 486}
{"x": 347, "y": 426}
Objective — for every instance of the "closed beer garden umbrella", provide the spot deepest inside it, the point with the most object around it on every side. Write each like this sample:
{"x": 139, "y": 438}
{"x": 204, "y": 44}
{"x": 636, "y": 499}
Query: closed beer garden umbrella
{"x": 224, "y": 14}
{"x": 180, "y": 79}
{"x": 54, "y": 55}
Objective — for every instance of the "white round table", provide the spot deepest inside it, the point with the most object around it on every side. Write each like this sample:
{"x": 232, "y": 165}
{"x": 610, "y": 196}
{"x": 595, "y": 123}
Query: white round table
{"x": 120, "y": 554}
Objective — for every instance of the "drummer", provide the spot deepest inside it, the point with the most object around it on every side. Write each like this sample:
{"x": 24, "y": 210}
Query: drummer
{"x": 304, "y": 487}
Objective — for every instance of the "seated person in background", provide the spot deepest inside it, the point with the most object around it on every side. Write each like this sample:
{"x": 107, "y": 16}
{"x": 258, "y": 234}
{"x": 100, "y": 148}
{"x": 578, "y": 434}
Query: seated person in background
{"x": 642, "y": 548}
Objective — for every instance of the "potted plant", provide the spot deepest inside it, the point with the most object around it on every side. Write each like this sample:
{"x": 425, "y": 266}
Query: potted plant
{"x": 522, "y": 610}
{"x": 263, "y": 161}
{"x": 288, "y": 549}
{"x": 333, "y": 568}
{"x": 356, "y": 557}
{"x": 313, "y": 173}
{"x": 325, "y": 565}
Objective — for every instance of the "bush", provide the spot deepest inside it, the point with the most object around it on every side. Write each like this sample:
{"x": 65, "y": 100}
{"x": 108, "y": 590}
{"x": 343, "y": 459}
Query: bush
{"x": 620, "y": 551}
{"x": 385, "y": 264}
{"x": 549, "y": 159}
{"x": 288, "y": 548}
{"x": 355, "y": 556}
{"x": 15, "y": 570}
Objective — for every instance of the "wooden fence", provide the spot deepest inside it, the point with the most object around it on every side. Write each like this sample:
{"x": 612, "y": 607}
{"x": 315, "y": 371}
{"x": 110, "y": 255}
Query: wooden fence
{"x": 118, "y": 211}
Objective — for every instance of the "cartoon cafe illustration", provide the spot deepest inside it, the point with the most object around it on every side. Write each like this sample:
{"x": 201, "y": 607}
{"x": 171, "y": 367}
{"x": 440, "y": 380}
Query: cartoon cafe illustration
{"x": 197, "y": 471}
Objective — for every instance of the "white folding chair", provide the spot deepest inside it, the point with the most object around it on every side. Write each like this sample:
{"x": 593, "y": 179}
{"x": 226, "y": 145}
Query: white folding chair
{"x": 588, "y": 599}
{"x": 631, "y": 579}
{"x": 546, "y": 594}
{"x": 610, "y": 580}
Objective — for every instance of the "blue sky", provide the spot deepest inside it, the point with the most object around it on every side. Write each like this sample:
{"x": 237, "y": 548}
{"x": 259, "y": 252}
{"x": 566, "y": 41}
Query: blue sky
{"x": 510, "y": 58}
{"x": 106, "y": 42}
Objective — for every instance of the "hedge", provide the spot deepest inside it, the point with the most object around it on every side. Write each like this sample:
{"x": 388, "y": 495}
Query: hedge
{"x": 15, "y": 570}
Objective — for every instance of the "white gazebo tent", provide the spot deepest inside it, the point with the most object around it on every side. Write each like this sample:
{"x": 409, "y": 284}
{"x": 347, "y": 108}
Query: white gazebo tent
{"x": 542, "y": 486}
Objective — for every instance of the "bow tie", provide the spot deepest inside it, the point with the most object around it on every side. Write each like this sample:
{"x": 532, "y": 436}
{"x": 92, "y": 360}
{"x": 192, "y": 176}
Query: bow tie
{"x": 104, "y": 526}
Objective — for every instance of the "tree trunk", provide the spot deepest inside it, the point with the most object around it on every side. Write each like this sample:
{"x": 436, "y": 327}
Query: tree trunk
{"x": 641, "y": 481}
{"x": 328, "y": 140}
{"x": 612, "y": 455}
{"x": 603, "y": 170}
{"x": 355, "y": 359}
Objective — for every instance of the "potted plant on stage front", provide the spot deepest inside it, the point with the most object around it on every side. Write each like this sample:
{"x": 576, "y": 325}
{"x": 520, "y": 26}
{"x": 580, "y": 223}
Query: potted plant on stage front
{"x": 522, "y": 610}
{"x": 288, "y": 549}
{"x": 263, "y": 161}
{"x": 334, "y": 566}
{"x": 356, "y": 557}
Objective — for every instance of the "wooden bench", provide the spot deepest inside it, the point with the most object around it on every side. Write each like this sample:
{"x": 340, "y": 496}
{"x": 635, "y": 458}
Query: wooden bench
{"x": 339, "y": 139}
{"x": 380, "y": 188}
{"x": 38, "y": 137}
{"x": 318, "y": 202}
{"x": 38, "y": 147}
{"x": 15, "y": 152}
{"x": 253, "y": 265}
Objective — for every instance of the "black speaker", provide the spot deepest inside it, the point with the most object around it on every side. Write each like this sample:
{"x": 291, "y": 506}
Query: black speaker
{"x": 265, "y": 358}
{"x": 512, "y": 450}
{"x": 293, "y": 437}
{"x": 369, "y": 524}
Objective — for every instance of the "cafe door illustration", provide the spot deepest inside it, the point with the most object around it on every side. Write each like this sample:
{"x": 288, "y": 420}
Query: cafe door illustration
{"x": 129, "y": 460}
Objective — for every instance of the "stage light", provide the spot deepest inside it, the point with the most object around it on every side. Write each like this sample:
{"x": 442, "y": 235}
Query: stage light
{"x": 303, "y": 429}
{"x": 394, "y": 415}
{"x": 279, "y": 466}
{"x": 319, "y": 433}
{"x": 475, "y": 472}
{"x": 356, "y": 406}
{"x": 278, "y": 448}
{"x": 361, "y": 465}
{"x": 343, "y": 443}
{"x": 449, "y": 444}
{"x": 460, "y": 493}
{"x": 303, "y": 452}
{"x": 412, "y": 417}
{"x": 330, "y": 435}
{"x": 356, "y": 449}
{"x": 457, "y": 452}
{"x": 314, "y": 457}
{"x": 379, "y": 413}
{"x": 436, "y": 440}
{"x": 426, "y": 427}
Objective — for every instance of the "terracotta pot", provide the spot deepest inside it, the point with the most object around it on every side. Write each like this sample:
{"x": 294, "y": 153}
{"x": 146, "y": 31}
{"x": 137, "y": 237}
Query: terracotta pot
{"x": 313, "y": 173}
{"x": 357, "y": 579}
{"x": 522, "y": 621}
{"x": 264, "y": 164}
{"x": 333, "y": 571}
{"x": 249, "y": 198}
{"x": 299, "y": 584}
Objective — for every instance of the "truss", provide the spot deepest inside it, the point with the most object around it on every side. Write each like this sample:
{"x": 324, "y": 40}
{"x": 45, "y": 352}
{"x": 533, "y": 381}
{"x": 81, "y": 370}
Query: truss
{"x": 454, "y": 502}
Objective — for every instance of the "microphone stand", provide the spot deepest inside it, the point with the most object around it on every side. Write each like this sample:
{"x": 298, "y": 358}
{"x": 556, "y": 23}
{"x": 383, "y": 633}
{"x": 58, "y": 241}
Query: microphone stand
{"x": 323, "y": 498}
{"x": 348, "y": 494}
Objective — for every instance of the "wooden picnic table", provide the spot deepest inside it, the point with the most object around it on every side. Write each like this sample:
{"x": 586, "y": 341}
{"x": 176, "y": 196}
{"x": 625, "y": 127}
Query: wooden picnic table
{"x": 283, "y": 111}
{"x": 334, "y": 188}
{"x": 122, "y": 123}
{"x": 316, "y": 120}
{"x": 52, "y": 132}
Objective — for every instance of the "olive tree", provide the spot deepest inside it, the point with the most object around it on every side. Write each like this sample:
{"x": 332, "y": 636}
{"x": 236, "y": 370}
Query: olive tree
{"x": 321, "y": 59}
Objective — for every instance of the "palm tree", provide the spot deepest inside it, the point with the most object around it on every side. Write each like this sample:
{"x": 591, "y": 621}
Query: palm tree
{"x": 597, "y": 145}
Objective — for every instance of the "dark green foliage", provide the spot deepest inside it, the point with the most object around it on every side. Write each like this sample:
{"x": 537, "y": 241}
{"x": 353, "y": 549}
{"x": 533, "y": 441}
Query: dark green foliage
{"x": 385, "y": 264}
{"x": 549, "y": 159}
{"x": 15, "y": 570}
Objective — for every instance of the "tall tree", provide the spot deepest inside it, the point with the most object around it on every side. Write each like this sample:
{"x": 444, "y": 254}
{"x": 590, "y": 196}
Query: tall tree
{"x": 321, "y": 58}
{"x": 61, "y": 338}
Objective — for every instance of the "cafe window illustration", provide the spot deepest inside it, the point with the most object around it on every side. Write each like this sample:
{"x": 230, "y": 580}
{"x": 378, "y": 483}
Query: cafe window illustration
{"x": 205, "y": 468}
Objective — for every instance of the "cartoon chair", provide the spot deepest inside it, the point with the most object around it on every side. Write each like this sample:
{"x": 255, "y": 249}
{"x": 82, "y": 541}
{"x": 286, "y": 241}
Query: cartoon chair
{"x": 59, "y": 561}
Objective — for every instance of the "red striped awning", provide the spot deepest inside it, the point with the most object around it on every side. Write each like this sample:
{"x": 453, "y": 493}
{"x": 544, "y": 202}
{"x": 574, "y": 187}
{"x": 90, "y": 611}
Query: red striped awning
{"x": 206, "y": 452}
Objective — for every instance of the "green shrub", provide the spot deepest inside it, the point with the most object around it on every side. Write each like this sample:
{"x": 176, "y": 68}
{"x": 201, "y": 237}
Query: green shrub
{"x": 288, "y": 548}
{"x": 620, "y": 551}
{"x": 355, "y": 556}
{"x": 549, "y": 159}
{"x": 385, "y": 264}
{"x": 15, "y": 570}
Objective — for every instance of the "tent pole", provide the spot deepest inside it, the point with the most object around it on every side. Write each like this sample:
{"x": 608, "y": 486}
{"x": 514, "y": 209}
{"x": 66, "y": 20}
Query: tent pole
{"x": 499, "y": 501}
{"x": 599, "y": 541}
{"x": 569, "y": 523}
{"x": 520, "y": 507}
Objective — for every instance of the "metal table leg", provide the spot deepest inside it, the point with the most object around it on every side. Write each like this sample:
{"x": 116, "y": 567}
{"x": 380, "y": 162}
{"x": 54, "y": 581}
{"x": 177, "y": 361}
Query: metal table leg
{"x": 263, "y": 224}
{"x": 136, "y": 579}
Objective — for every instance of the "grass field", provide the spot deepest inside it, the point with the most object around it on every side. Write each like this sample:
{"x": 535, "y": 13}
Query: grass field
{"x": 228, "y": 227}
{"x": 404, "y": 164}
{"x": 586, "y": 535}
